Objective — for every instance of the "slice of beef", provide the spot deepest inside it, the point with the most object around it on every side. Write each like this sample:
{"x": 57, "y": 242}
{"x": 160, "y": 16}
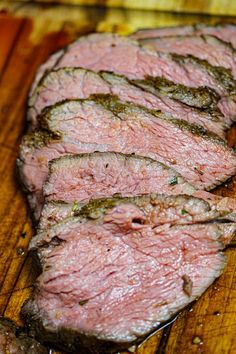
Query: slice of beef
{"x": 56, "y": 211}
{"x": 75, "y": 179}
{"x": 102, "y": 174}
{"x": 171, "y": 210}
{"x": 72, "y": 83}
{"x": 14, "y": 340}
{"x": 128, "y": 272}
{"x": 111, "y": 52}
{"x": 106, "y": 124}
{"x": 38, "y": 149}
{"x": 124, "y": 56}
{"x": 224, "y": 31}
{"x": 210, "y": 48}
{"x": 78, "y": 178}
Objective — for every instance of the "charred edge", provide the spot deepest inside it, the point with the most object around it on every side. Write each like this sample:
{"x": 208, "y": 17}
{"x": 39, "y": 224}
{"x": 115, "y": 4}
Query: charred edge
{"x": 48, "y": 74}
{"x": 199, "y": 98}
{"x": 38, "y": 139}
{"x": 113, "y": 104}
{"x": 222, "y": 75}
{"x": 25, "y": 338}
{"x": 96, "y": 208}
{"x": 232, "y": 243}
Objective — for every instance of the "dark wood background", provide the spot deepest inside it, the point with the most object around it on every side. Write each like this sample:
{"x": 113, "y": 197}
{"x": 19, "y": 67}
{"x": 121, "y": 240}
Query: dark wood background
{"x": 28, "y": 34}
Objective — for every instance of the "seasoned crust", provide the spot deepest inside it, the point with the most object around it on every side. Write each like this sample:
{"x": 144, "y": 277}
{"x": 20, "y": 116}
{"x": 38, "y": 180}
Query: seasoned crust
{"x": 223, "y": 76}
{"x": 199, "y": 97}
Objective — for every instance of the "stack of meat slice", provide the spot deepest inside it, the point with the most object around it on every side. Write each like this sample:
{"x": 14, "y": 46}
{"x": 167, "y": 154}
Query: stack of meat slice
{"x": 125, "y": 142}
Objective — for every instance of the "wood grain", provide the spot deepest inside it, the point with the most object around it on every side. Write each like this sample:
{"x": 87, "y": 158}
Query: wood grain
{"x": 27, "y": 36}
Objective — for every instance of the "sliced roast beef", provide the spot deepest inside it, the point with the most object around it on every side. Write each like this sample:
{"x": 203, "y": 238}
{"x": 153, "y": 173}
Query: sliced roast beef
{"x": 14, "y": 340}
{"x": 106, "y": 124}
{"x": 55, "y": 211}
{"x": 174, "y": 210}
{"x": 128, "y": 272}
{"x": 102, "y": 174}
{"x": 210, "y": 48}
{"x": 123, "y": 56}
{"x": 75, "y": 179}
{"x": 111, "y": 52}
{"x": 226, "y": 32}
{"x": 72, "y": 83}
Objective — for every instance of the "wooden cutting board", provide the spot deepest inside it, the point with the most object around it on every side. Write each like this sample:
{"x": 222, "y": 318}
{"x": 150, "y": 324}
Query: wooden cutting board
{"x": 214, "y": 7}
{"x": 28, "y": 34}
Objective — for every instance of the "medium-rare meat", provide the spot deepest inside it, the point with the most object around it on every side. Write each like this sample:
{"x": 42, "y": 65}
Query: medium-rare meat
{"x": 102, "y": 174}
{"x": 206, "y": 47}
{"x": 14, "y": 340}
{"x": 134, "y": 263}
{"x": 72, "y": 83}
{"x": 226, "y": 31}
{"x": 81, "y": 177}
{"x": 75, "y": 179}
{"x": 106, "y": 124}
{"x": 124, "y": 56}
